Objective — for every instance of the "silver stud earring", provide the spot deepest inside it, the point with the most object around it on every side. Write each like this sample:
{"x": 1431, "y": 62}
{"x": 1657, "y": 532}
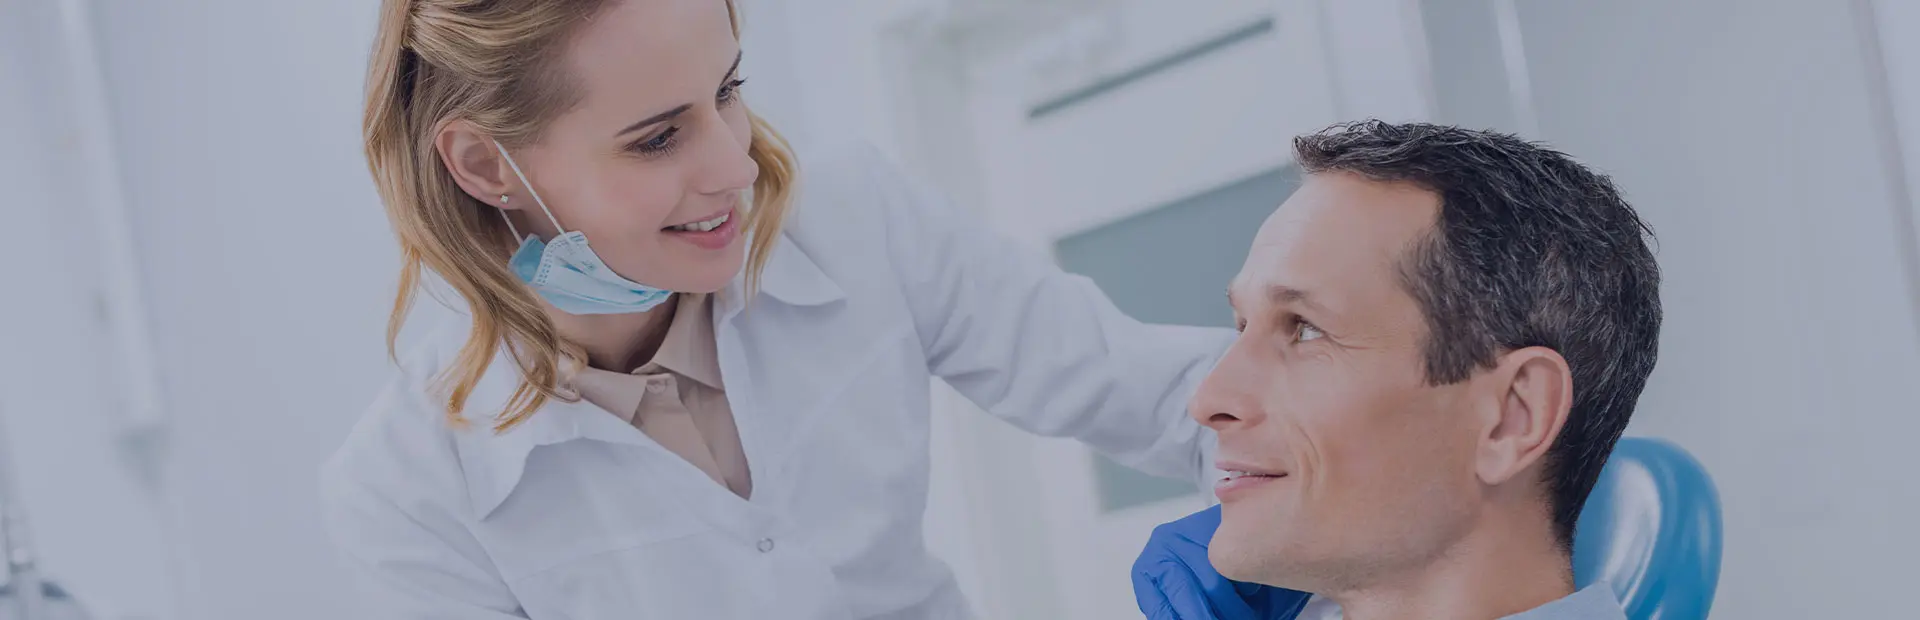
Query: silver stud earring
{"x": 504, "y": 199}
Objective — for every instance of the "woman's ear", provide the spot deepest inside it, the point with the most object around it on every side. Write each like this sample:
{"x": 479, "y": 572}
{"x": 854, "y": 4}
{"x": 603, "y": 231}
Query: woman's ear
{"x": 1535, "y": 395}
{"x": 476, "y": 165}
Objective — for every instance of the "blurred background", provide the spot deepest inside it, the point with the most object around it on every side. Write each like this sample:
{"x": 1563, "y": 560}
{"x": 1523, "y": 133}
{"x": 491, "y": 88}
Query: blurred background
{"x": 199, "y": 270}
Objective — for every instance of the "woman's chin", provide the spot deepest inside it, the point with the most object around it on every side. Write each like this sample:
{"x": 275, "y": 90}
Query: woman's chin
{"x": 702, "y": 278}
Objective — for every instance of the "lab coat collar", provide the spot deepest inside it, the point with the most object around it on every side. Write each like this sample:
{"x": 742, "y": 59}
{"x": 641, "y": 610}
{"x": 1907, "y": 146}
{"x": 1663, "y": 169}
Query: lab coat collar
{"x": 791, "y": 277}
{"x": 493, "y": 463}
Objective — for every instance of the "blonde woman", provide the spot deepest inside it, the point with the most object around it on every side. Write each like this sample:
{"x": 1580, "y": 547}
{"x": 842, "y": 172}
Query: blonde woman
{"x": 691, "y": 385}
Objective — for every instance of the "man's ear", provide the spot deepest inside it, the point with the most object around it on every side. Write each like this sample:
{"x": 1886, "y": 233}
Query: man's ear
{"x": 1533, "y": 390}
{"x": 475, "y": 163}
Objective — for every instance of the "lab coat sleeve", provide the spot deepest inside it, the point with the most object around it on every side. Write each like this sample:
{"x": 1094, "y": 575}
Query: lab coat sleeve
{"x": 1041, "y": 348}
{"x": 411, "y": 566}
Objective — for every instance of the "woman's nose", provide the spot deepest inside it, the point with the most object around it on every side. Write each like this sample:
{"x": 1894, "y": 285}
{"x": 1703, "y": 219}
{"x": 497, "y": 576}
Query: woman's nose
{"x": 727, "y": 165}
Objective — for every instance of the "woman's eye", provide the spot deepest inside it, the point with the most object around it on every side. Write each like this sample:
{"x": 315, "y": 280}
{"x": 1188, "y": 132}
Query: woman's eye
{"x": 658, "y": 144}
{"x": 1309, "y": 333}
{"x": 730, "y": 92}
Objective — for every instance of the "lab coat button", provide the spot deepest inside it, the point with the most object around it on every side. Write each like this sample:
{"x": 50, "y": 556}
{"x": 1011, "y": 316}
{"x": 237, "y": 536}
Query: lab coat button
{"x": 766, "y": 545}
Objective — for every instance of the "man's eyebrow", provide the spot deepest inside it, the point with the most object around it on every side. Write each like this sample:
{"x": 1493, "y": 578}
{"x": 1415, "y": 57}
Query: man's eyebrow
{"x": 1289, "y": 296}
{"x": 1283, "y": 295}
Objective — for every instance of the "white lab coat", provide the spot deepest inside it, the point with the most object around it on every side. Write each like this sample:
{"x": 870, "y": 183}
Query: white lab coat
{"x": 876, "y": 287}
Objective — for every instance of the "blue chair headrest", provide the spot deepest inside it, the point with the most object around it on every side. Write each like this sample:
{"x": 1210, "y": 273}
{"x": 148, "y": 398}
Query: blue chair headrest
{"x": 1651, "y": 529}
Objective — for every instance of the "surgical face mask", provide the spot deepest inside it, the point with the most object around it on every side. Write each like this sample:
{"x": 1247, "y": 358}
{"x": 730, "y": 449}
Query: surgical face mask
{"x": 567, "y": 273}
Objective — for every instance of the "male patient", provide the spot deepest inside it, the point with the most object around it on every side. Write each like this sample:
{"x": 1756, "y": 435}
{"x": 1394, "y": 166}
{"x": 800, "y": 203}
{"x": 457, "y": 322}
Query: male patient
{"x": 1443, "y": 333}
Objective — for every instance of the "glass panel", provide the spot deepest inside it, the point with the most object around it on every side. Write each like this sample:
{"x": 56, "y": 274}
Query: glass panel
{"x": 1171, "y": 265}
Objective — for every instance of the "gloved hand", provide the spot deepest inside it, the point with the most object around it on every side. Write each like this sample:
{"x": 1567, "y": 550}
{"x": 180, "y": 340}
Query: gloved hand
{"x": 1172, "y": 579}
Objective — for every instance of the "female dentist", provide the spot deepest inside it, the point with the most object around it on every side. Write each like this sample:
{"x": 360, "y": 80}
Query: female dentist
{"x": 691, "y": 386}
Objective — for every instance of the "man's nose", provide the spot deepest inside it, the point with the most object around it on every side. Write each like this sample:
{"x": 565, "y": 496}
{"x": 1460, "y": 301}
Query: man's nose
{"x": 1229, "y": 397}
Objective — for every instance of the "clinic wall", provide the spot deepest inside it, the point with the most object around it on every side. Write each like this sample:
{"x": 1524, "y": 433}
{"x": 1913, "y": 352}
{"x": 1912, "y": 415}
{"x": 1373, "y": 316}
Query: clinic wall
{"x": 1897, "y": 21}
{"x": 1468, "y": 65}
{"x": 97, "y": 527}
{"x": 269, "y": 268}
{"x": 1742, "y": 131}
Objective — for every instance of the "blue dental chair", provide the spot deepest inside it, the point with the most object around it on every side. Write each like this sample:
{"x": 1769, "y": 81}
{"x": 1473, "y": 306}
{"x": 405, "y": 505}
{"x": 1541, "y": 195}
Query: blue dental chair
{"x": 1651, "y": 529}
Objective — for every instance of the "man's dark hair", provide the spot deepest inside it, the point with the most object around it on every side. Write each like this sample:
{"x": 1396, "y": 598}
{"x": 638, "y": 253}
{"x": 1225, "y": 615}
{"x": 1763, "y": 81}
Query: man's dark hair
{"x": 1530, "y": 249}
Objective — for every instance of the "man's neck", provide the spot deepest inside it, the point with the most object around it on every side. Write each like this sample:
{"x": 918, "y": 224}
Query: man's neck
{"x": 1504, "y": 567}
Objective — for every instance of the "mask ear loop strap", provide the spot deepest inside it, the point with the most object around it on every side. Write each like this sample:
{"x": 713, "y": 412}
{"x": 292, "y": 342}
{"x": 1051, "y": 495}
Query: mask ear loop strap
{"x": 530, "y": 190}
{"x": 509, "y": 219}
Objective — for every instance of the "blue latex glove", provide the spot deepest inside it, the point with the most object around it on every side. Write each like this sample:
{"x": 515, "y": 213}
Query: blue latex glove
{"x": 1172, "y": 579}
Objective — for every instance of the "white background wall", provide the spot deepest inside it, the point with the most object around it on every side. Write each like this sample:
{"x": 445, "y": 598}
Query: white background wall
{"x": 266, "y": 261}
{"x": 97, "y": 525}
{"x": 1743, "y": 131}
{"x": 1897, "y": 21}
{"x": 1739, "y": 127}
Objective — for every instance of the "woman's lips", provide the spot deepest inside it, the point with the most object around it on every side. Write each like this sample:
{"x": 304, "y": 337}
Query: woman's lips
{"x": 717, "y": 239}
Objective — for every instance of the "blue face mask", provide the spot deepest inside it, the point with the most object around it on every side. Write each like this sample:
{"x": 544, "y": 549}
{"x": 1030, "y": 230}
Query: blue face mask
{"x": 568, "y": 274}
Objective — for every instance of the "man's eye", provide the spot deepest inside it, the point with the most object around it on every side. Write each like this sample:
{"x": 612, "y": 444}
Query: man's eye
{"x": 1309, "y": 333}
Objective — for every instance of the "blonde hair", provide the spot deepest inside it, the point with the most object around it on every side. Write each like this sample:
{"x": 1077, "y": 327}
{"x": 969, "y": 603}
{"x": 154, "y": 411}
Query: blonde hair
{"x": 491, "y": 64}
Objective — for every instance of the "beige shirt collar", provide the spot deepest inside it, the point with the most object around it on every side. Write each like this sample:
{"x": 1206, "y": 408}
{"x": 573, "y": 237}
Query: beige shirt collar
{"x": 688, "y": 351}
{"x": 689, "y": 348}
{"x": 493, "y": 463}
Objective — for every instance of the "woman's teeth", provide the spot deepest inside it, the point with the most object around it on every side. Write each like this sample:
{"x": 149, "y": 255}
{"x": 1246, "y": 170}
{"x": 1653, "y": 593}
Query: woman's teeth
{"x": 1241, "y": 474}
{"x": 702, "y": 226}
